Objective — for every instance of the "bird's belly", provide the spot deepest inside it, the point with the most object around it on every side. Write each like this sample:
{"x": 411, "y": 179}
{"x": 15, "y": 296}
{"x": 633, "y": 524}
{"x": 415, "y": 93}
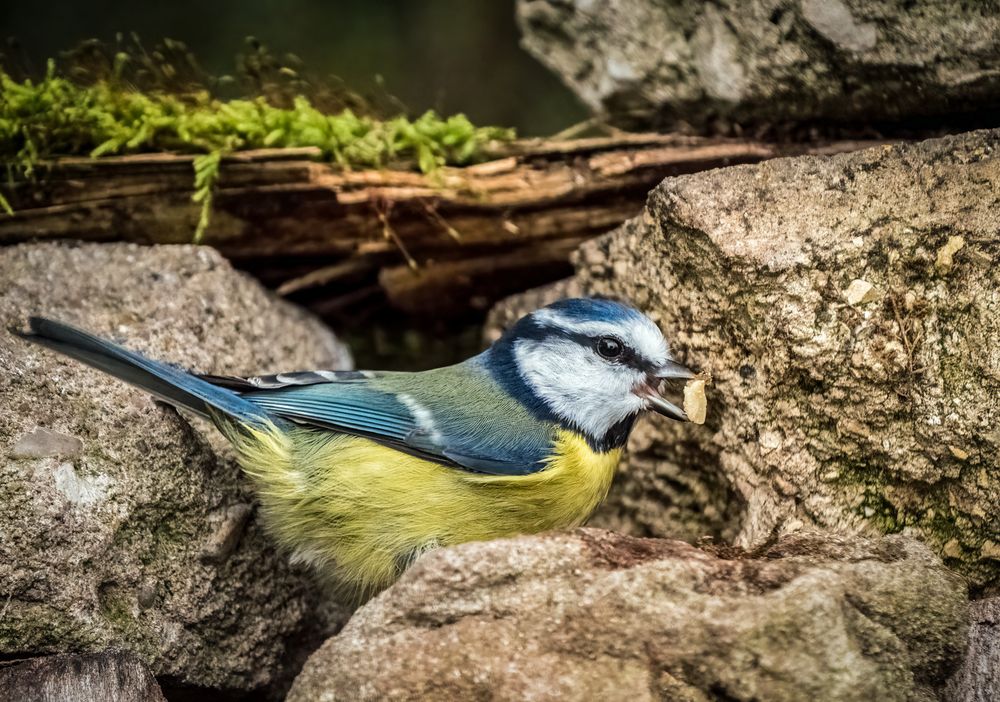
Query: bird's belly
{"x": 362, "y": 511}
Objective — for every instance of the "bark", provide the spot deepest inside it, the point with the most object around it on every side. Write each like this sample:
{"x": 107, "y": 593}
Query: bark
{"x": 287, "y": 214}
{"x": 110, "y": 676}
{"x": 978, "y": 679}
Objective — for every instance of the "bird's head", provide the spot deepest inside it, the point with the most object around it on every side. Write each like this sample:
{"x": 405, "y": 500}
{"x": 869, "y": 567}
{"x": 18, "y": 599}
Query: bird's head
{"x": 592, "y": 363}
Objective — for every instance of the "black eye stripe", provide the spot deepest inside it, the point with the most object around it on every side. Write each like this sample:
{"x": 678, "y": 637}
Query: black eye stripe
{"x": 626, "y": 357}
{"x": 529, "y": 328}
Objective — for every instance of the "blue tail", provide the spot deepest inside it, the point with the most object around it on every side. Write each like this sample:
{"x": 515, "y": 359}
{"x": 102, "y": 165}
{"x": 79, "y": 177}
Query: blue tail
{"x": 170, "y": 384}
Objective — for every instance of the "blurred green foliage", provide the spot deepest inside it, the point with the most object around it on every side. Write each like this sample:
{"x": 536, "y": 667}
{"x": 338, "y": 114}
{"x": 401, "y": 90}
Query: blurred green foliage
{"x": 446, "y": 55}
{"x": 100, "y": 113}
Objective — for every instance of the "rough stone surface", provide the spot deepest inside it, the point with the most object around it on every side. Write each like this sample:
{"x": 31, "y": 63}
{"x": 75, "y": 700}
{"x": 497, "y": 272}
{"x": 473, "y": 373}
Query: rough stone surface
{"x": 882, "y": 415}
{"x": 142, "y": 536}
{"x": 42, "y": 443}
{"x": 590, "y": 615}
{"x": 663, "y": 63}
{"x": 978, "y": 680}
{"x": 111, "y": 676}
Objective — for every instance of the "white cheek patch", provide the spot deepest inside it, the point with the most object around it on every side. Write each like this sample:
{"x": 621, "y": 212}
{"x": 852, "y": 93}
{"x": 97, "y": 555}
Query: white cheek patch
{"x": 577, "y": 385}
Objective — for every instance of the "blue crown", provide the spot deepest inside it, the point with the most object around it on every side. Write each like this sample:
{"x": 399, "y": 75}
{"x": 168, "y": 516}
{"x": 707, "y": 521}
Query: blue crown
{"x": 582, "y": 309}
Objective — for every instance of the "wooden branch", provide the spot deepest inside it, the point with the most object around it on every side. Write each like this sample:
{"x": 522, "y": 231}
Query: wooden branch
{"x": 451, "y": 287}
{"x": 277, "y": 207}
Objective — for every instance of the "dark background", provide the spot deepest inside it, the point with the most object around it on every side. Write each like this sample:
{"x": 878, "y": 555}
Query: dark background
{"x": 450, "y": 55}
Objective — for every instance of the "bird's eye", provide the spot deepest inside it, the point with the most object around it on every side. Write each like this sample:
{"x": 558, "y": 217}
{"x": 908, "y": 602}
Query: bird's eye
{"x": 609, "y": 347}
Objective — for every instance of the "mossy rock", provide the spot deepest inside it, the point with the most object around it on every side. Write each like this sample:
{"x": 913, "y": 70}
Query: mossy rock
{"x": 877, "y": 414}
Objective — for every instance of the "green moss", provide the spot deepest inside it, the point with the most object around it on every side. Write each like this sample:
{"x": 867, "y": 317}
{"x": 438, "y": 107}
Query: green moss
{"x": 116, "y": 608}
{"x": 55, "y": 116}
{"x": 35, "y": 626}
{"x": 891, "y": 507}
{"x": 155, "y": 535}
{"x": 878, "y": 505}
{"x": 881, "y": 512}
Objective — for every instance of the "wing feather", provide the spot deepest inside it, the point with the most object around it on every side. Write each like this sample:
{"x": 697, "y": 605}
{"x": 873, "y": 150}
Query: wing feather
{"x": 384, "y": 407}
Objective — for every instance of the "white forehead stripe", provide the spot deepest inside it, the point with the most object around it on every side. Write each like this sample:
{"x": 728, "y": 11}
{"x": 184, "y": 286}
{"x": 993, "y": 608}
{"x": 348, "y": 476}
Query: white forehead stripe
{"x": 639, "y": 332}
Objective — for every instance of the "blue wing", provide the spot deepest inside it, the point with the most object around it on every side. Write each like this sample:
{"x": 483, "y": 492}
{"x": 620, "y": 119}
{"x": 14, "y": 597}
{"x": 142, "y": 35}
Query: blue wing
{"x": 456, "y": 416}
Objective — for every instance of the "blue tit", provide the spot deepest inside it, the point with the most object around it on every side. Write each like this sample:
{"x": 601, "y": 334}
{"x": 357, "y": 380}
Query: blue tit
{"x": 360, "y": 472}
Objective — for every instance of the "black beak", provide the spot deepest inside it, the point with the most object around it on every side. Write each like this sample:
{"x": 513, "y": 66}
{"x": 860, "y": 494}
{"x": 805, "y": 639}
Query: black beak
{"x": 670, "y": 370}
{"x": 673, "y": 370}
{"x": 665, "y": 407}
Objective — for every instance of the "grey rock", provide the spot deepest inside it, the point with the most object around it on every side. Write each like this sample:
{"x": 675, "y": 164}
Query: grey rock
{"x": 143, "y": 537}
{"x": 878, "y": 415}
{"x": 42, "y": 443}
{"x": 654, "y": 63}
{"x": 223, "y": 540}
{"x": 590, "y": 615}
{"x": 834, "y": 20}
{"x": 978, "y": 680}
{"x": 111, "y": 676}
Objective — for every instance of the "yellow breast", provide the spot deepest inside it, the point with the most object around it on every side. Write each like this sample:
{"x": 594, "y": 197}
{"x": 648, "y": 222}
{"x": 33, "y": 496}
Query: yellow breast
{"x": 362, "y": 511}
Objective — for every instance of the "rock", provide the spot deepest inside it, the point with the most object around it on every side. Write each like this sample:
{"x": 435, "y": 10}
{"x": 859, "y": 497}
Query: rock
{"x": 978, "y": 680}
{"x": 123, "y": 524}
{"x": 860, "y": 291}
{"x": 42, "y": 443}
{"x": 946, "y": 254}
{"x": 591, "y": 615}
{"x": 111, "y": 676}
{"x": 820, "y": 412}
{"x": 649, "y": 63}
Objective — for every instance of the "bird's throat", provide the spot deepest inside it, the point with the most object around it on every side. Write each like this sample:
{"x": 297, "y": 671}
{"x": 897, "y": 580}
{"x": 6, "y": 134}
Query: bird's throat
{"x": 614, "y": 438}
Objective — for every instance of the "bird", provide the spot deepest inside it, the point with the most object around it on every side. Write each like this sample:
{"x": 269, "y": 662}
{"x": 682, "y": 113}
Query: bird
{"x": 358, "y": 473}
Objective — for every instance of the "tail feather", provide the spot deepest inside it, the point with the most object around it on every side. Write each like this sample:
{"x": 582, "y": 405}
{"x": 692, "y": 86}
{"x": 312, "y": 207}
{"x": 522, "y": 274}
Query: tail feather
{"x": 170, "y": 384}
